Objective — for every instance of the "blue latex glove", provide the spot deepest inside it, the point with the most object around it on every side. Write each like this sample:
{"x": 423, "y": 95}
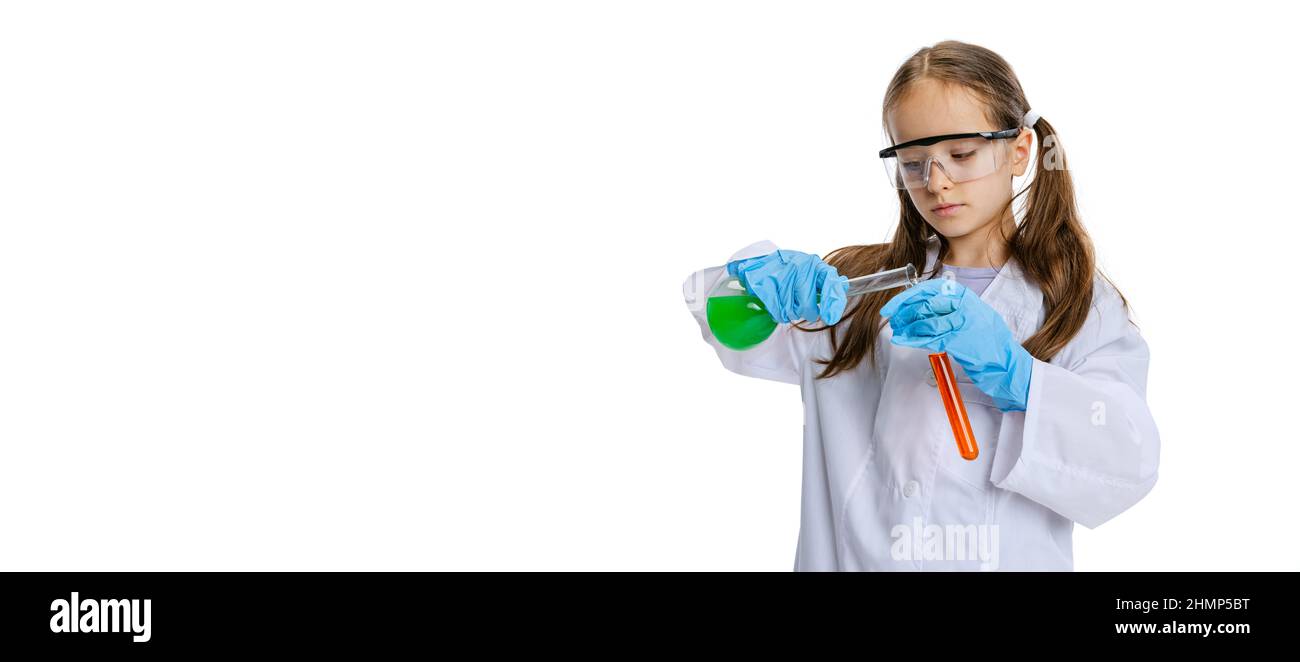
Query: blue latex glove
{"x": 942, "y": 315}
{"x": 788, "y": 282}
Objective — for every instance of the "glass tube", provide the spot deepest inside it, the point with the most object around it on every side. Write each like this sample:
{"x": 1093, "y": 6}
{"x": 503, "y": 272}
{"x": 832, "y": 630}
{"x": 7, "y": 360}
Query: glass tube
{"x": 954, "y": 405}
{"x": 904, "y": 276}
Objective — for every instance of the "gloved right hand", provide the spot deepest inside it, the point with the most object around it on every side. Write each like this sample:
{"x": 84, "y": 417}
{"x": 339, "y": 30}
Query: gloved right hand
{"x": 788, "y": 283}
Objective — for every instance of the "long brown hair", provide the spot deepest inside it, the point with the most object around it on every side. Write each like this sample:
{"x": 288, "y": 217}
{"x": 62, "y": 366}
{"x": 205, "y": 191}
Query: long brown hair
{"x": 1050, "y": 244}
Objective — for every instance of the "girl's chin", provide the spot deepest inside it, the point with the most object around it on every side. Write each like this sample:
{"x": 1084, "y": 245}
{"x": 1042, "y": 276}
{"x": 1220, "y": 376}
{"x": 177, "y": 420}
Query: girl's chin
{"x": 951, "y": 230}
{"x": 951, "y": 227}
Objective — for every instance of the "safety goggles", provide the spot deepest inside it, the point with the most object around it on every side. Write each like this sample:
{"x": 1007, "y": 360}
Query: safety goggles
{"x": 961, "y": 156}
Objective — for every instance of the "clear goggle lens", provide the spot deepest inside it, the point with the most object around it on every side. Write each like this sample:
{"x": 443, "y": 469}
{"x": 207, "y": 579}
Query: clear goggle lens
{"x": 961, "y": 160}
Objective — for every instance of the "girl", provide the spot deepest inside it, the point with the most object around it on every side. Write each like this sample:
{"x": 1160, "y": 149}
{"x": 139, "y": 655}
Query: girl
{"x": 1052, "y": 371}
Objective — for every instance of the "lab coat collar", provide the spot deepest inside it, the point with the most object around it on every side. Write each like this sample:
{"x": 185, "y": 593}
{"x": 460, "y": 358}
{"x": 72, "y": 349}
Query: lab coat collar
{"x": 1011, "y": 293}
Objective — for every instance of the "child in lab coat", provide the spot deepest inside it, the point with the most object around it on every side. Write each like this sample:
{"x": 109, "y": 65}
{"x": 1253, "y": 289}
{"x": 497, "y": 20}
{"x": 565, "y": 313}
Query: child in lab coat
{"x": 1050, "y": 367}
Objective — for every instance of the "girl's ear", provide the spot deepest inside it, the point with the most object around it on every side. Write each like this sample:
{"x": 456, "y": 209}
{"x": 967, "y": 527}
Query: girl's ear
{"x": 1020, "y": 151}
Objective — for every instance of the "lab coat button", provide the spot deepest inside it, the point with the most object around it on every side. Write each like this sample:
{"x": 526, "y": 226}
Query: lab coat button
{"x": 929, "y": 378}
{"x": 910, "y": 488}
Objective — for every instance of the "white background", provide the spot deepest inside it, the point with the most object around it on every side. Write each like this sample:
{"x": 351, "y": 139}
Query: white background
{"x": 328, "y": 285}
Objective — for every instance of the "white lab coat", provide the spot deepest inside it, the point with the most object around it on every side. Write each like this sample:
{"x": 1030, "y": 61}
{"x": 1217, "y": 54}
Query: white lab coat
{"x": 880, "y": 463}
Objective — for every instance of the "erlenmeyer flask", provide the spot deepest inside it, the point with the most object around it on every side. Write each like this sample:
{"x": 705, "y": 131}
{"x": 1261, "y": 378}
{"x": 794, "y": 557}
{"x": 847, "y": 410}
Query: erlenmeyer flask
{"x": 739, "y": 320}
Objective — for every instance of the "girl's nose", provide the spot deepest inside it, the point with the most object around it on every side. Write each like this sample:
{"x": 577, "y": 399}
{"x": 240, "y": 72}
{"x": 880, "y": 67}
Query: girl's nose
{"x": 938, "y": 178}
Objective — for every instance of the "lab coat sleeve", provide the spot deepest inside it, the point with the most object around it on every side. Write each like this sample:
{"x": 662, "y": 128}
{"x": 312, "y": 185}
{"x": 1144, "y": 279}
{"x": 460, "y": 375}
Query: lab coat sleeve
{"x": 778, "y": 358}
{"x": 1086, "y": 446}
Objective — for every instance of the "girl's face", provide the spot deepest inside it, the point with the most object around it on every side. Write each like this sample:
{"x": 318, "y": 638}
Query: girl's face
{"x": 932, "y": 108}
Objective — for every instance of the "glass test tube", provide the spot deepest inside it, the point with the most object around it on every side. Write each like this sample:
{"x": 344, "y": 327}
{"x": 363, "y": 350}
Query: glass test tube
{"x": 904, "y": 276}
{"x": 954, "y": 405}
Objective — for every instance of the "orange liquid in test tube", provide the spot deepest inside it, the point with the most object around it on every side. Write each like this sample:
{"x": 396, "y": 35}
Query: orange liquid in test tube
{"x": 955, "y": 406}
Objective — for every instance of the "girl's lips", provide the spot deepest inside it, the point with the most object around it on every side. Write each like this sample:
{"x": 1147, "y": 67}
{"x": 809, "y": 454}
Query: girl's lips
{"x": 949, "y": 210}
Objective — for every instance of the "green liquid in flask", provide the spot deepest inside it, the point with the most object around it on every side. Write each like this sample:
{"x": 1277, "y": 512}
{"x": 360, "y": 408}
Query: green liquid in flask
{"x": 739, "y": 322}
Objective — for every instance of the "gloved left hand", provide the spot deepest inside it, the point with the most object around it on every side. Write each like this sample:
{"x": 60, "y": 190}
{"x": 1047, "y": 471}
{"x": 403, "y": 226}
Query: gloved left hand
{"x": 942, "y": 315}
